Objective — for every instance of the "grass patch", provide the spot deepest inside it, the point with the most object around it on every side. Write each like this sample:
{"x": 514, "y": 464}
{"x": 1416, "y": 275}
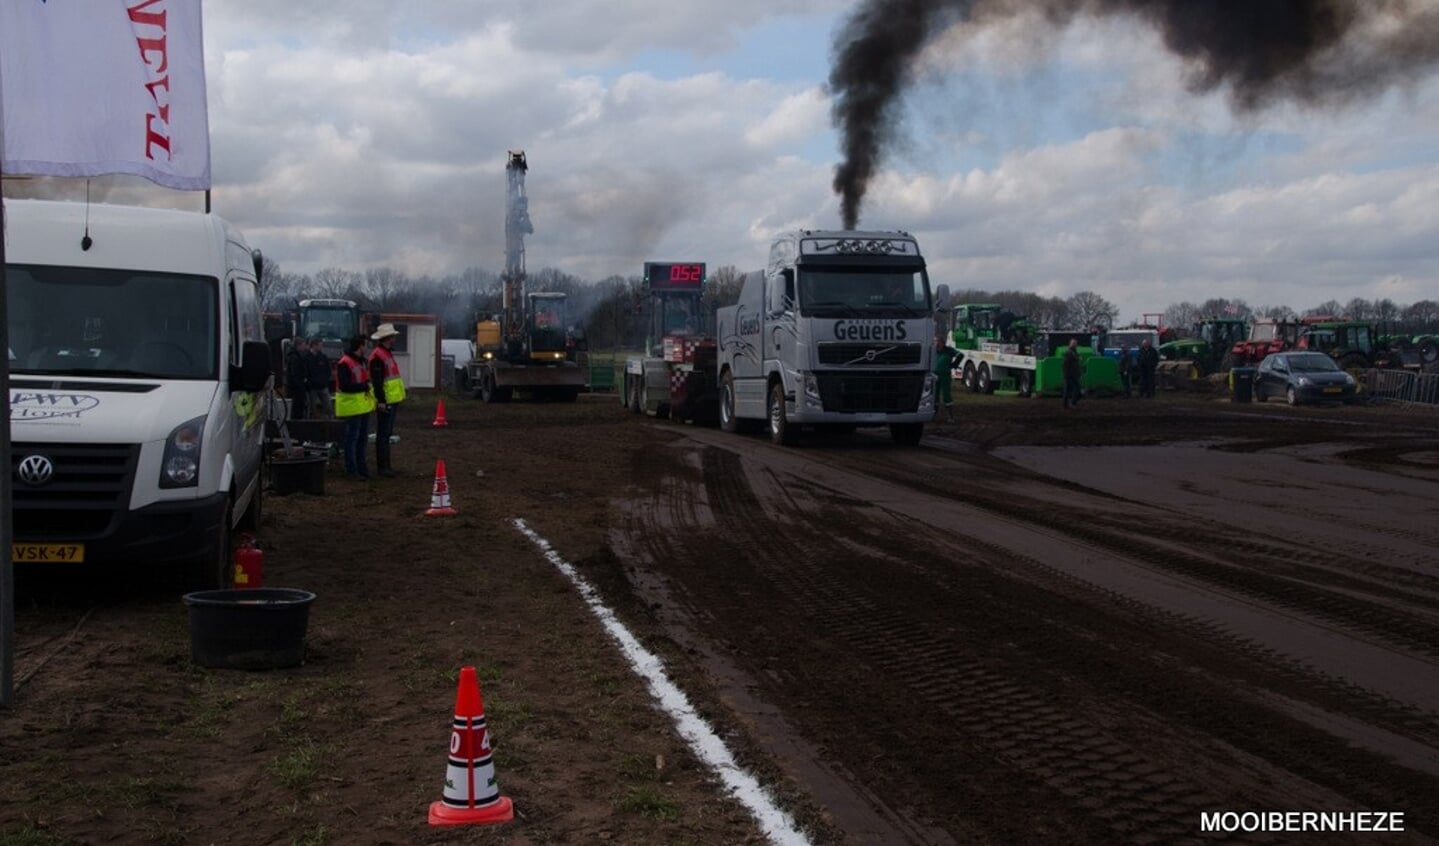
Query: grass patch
{"x": 649, "y": 802}
{"x": 298, "y": 768}
{"x": 32, "y": 836}
{"x": 316, "y": 835}
{"x": 145, "y": 792}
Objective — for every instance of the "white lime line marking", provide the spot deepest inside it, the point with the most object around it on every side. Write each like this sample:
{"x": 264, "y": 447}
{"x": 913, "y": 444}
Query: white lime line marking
{"x": 775, "y": 822}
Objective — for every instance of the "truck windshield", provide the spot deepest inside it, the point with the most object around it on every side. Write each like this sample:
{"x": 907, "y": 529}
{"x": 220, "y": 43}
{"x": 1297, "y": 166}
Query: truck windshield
{"x": 1264, "y": 332}
{"x": 863, "y": 292}
{"x": 329, "y": 323}
{"x": 680, "y": 314}
{"x": 92, "y": 322}
{"x": 1117, "y": 338}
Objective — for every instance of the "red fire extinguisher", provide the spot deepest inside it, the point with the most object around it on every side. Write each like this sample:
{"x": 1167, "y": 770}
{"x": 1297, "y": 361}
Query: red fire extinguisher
{"x": 249, "y": 563}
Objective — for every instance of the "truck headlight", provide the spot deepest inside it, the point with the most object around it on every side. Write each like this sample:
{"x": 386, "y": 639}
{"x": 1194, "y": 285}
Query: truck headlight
{"x": 926, "y": 396}
{"x": 811, "y": 392}
{"x": 180, "y": 463}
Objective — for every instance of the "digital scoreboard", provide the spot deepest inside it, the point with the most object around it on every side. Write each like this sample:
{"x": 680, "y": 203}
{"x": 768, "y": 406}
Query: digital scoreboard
{"x": 674, "y": 276}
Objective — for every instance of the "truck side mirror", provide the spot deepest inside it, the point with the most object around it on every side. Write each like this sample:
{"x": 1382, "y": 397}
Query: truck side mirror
{"x": 941, "y": 298}
{"x": 254, "y": 373}
{"x": 781, "y": 292}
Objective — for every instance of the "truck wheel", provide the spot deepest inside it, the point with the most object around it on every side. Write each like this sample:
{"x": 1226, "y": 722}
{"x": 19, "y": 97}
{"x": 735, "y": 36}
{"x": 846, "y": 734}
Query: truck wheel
{"x": 982, "y": 383}
{"x": 727, "y": 420}
{"x": 967, "y": 377}
{"x": 906, "y": 434}
{"x": 1428, "y": 351}
{"x": 780, "y": 430}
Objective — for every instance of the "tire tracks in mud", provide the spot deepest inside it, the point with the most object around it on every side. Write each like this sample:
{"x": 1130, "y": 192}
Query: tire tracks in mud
{"x": 1056, "y": 745}
{"x": 1304, "y": 590}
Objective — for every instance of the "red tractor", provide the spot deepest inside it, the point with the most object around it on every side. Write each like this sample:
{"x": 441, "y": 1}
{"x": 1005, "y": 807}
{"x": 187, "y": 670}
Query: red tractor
{"x": 1265, "y": 337}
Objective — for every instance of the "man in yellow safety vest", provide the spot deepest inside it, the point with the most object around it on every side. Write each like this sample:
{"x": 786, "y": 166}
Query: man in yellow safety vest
{"x": 353, "y": 403}
{"x": 389, "y": 393}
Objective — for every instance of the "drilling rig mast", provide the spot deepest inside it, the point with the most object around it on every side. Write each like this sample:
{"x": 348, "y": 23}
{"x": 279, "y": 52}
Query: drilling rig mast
{"x": 517, "y": 226}
{"x": 524, "y": 346}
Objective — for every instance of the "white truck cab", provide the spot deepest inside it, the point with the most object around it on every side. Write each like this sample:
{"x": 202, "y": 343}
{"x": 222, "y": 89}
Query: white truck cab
{"x": 137, "y": 371}
{"x": 837, "y": 331}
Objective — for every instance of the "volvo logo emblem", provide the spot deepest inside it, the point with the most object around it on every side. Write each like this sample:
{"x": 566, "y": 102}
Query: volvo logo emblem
{"x": 35, "y": 470}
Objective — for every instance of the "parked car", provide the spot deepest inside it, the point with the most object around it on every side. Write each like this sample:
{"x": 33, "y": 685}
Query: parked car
{"x": 1302, "y": 377}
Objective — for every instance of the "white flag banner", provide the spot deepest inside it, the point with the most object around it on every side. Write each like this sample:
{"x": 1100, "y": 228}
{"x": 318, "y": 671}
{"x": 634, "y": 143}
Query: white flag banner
{"x": 90, "y": 87}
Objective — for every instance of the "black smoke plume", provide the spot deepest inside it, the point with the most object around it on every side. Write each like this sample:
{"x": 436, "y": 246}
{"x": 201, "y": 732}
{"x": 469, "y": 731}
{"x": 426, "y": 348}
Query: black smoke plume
{"x": 1313, "y": 52}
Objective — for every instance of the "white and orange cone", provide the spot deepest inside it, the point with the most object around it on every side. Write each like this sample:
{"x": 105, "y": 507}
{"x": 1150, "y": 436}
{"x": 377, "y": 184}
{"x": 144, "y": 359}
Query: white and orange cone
{"x": 471, "y": 796}
{"x": 440, "y": 419}
{"x": 440, "y": 499}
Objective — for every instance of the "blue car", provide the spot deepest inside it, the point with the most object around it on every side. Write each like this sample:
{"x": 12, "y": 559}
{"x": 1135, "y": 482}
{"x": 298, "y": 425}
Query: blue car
{"x": 1302, "y": 377}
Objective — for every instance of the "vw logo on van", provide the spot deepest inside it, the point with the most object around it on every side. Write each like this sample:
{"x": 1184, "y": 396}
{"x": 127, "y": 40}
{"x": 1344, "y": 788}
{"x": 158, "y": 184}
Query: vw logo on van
{"x": 35, "y": 470}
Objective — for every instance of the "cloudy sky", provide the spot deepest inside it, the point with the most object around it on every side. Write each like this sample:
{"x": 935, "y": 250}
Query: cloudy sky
{"x": 361, "y": 133}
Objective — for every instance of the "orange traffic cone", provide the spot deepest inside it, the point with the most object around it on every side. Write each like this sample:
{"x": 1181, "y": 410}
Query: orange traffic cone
{"x": 471, "y": 796}
{"x": 440, "y": 415}
{"x": 440, "y": 500}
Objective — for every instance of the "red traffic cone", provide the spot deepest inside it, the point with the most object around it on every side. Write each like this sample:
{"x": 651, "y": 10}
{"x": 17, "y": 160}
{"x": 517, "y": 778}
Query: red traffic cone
{"x": 440, "y": 500}
{"x": 471, "y": 796}
{"x": 440, "y": 415}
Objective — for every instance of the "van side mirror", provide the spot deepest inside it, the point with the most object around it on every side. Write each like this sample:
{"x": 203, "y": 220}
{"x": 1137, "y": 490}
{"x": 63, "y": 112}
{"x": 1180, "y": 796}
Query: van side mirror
{"x": 253, "y": 374}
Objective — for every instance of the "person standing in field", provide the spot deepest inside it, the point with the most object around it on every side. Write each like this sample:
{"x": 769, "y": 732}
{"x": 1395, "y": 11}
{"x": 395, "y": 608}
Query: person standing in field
{"x": 295, "y": 379}
{"x": 1126, "y": 369}
{"x": 1073, "y": 369}
{"x": 320, "y": 378}
{"x": 944, "y": 369}
{"x": 1148, "y": 363}
{"x": 353, "y": 404}
{"x": 389, "y": 393}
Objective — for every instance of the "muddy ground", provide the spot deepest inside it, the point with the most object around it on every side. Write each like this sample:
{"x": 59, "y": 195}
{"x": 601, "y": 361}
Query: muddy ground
{"x": 1039, "y": 626}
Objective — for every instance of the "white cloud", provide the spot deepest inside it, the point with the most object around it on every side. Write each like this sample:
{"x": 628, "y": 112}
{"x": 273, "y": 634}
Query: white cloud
{"x": 374, "y": 132}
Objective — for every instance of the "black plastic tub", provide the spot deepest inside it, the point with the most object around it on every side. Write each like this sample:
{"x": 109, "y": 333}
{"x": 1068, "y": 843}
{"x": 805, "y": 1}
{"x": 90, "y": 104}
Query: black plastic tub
{"x": 304, "y": 473}
{"x": 250, "y": 629}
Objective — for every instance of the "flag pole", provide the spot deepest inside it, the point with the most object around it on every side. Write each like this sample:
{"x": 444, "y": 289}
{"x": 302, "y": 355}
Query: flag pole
{"x": 7, "y": 535}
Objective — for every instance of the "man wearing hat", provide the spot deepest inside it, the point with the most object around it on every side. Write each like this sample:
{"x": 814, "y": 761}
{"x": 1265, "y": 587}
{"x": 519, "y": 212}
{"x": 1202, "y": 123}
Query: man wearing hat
{"x": 389, "y": 393}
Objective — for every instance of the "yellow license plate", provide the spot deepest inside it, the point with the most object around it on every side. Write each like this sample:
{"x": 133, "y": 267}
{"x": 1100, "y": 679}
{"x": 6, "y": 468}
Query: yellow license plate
{"x": 1332, "y": 390}
{"x": 67, "y": 552}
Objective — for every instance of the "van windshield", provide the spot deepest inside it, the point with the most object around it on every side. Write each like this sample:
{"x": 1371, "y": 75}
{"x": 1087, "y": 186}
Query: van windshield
{"x": 82, "y": 321}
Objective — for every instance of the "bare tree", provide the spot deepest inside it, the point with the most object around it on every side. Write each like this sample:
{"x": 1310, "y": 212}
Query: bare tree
{"x": 1281, "y": 312}
{"x": 723, "y": 286}
{"x": 1181, "y": 316}
{"x": 1087, "y": 309}
{"x": 387, "y": 288}
{"x": 1329, "y": 308}
{"x": 333, "y": 283}
{"x": 1423, "y": 312}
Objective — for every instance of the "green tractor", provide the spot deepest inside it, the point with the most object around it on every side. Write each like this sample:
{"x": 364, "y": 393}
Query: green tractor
{"x": 1352, "y": 344}
{"x": 1189, "y": 362}
{"x": 1415, "y": 351}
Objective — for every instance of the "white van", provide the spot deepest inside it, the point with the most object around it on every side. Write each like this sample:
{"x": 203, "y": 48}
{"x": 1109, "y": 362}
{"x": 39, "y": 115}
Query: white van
{"x": 137, "y": 369}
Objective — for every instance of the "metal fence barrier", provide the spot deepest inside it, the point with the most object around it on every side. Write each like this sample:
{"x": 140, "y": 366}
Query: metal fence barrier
{"x": 1403, "y": 386}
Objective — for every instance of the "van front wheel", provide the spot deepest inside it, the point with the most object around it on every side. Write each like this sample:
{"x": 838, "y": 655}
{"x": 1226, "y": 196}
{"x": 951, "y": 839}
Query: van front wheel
{"x": 212, "y": 571}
